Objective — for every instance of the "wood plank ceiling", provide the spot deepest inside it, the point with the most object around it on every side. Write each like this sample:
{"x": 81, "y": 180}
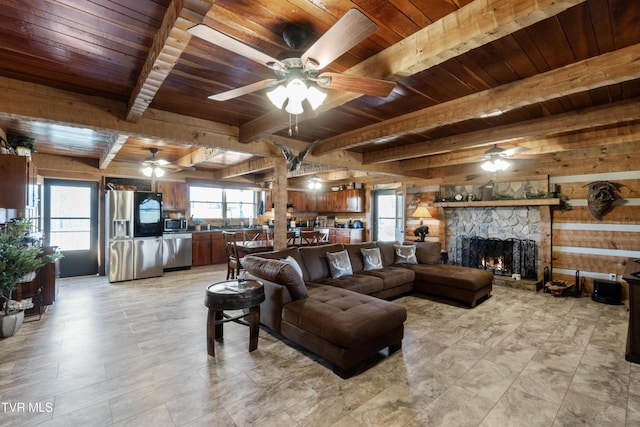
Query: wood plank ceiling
{"x": 468, "y": 74}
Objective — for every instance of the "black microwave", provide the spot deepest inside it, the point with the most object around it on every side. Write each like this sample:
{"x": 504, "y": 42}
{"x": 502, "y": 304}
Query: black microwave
{"x": 173, "y": 224}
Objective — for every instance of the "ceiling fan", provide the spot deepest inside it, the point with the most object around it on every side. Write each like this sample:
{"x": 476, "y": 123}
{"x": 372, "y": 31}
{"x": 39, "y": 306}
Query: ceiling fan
{"x": 152, "y": 166}
{"x": 295, "y": 69}
{"x": 495, "y": 158}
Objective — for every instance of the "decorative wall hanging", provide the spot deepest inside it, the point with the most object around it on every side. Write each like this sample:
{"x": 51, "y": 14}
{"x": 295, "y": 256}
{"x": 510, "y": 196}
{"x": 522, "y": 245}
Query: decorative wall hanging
{"x": 601, "y": 196}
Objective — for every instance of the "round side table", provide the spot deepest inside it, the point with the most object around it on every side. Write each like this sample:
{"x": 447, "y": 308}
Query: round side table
{"x": 231, "y": 295}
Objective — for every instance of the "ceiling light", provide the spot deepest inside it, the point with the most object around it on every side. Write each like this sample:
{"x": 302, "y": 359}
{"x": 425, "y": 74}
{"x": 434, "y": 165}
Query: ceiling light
{"x": 495, "y": 165}
{"x": 153, "y": 171}
{"x": 294, "y": 92}
{"x": 314, "y": 183}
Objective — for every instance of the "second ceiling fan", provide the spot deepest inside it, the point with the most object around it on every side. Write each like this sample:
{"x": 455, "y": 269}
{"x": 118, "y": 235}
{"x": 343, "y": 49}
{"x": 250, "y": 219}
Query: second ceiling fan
{"x": 298, "y": 74}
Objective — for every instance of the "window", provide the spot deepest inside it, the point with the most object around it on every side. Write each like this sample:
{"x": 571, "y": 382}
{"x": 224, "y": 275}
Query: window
{"x": 219, "y": 203}
{"x": 240, "y": 204}
{"x": 70, "y": 218}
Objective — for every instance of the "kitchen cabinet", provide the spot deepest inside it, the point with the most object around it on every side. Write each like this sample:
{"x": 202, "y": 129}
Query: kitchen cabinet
{"x": 218, "y": 252}
{"x": 341, "y": 201}
{"x": 208, "y": 248}
{"x": 19, "y": 182}
{"x": 298, "y": 199}
{"x": 175, "y": 196}
{"x": 354, "y": 200}
{"x": 346, "y": 235}
{"x": 201, "y": 249}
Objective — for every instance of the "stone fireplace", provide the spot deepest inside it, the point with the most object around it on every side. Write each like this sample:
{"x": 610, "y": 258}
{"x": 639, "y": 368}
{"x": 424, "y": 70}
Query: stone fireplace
{"x": 503, "y": 257}
{"x": 505, "y": 240}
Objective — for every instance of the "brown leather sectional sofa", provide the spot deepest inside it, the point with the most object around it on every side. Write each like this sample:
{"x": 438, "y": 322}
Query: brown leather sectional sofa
{"x": 346, "y": 320}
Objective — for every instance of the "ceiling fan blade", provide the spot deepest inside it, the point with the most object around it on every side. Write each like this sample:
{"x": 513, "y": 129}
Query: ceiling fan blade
{"x": 515, "y": 150}
{"x": 350, "y": 30}
{"x": 214, "y": 36}
{"x": 364, "y": 85}
{"x": 243, "y": 90}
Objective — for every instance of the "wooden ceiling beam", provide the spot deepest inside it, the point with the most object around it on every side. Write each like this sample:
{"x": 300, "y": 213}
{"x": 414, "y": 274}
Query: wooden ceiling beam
{"x": 170, "y": 41}
{"x": 476, "y": 24}
{"x": 411, "y": 155}
{"x": 534, "y": 147}
{"x": 245, "y": 168}
{"x": 29, "y": 101}
{"x": 201, "y": 154}
{"x": 110, "y": 151}
{"x": 603, "y": 70}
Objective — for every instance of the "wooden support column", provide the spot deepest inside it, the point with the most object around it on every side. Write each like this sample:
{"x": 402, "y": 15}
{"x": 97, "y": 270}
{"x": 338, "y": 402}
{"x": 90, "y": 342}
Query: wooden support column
{"x": 280, "y": 205}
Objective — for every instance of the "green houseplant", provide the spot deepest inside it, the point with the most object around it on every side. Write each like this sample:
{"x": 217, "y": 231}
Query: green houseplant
{"x": 19, "y": 259}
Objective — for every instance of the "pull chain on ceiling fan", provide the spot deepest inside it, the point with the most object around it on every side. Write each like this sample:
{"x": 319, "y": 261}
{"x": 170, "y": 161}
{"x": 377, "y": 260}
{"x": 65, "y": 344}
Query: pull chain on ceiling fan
{"x": 298, "y": 75}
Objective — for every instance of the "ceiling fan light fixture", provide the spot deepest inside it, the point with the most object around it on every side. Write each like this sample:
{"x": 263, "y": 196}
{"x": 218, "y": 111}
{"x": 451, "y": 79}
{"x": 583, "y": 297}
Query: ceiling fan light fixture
{"x": 495, "y": 165}
{"x": 314, "y": 183}
{"x": 294, "y": 93}
{"x": 315, "y": 97}
{"x": 153, "y": 171}
{"x": 277, "y": 96}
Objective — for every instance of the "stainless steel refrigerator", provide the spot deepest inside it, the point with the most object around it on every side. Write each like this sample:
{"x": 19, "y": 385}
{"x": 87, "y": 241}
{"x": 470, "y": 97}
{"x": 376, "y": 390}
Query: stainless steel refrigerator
{"x": 127, "y": 255}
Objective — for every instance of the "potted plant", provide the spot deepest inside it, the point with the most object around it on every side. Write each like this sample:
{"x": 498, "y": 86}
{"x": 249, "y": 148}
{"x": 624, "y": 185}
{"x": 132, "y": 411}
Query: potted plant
{"x": 19, "y": 143}
{"x": 20, "y": 258}
{"x": 197, "y": 222}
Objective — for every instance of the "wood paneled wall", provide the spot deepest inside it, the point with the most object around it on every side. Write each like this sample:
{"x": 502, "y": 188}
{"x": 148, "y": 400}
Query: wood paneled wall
{"x": 595, "y": 247}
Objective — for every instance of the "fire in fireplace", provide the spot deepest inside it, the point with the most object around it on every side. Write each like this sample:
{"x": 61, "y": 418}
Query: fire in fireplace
{"x": 502, "y": 257}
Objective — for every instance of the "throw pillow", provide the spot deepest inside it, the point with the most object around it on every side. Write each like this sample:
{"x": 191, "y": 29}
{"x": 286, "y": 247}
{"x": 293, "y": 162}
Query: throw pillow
{"x": 291, "y": 260}
{"x": 372, "y": 259}
{"x": 405, "y": 254}
{"x": 278, "y": 272}
{"x": 339, "y": 264}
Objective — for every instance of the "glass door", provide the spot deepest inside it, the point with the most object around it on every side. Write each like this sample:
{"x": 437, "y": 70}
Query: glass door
{"x": 388, "y": 214}
{"x": 71, "y": 223}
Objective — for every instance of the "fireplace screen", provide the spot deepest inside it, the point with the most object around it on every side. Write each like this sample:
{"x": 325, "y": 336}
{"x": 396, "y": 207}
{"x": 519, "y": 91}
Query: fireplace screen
{"x": 502, "y": 257}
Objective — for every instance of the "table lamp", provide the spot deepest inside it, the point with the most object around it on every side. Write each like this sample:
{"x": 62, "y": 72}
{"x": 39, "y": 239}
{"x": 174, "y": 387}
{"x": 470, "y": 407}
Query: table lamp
{"x": 422, "y": 231}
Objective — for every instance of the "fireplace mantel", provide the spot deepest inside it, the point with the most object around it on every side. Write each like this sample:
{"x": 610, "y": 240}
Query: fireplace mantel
{"x": 498, "y": 203}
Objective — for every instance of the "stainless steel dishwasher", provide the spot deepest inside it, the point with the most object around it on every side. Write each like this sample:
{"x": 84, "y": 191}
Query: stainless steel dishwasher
{"x": 176, "y": 250}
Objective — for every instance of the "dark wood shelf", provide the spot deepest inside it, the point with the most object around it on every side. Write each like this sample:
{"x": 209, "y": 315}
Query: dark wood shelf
{"x": 499, "y": 203}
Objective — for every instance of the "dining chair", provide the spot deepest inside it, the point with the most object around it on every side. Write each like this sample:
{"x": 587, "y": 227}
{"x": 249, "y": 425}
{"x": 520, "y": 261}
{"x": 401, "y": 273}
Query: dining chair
{"x": 309, "y": 238}
{"x": 324, "y": 236}
{"x": 291, "y": 238}
{"x": 252, "y": 235}
{"x": 231, "y": 248}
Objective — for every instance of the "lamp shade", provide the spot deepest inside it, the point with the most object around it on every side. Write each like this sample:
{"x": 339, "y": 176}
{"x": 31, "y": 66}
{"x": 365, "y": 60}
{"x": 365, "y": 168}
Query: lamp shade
{"x": 421, "y": 212}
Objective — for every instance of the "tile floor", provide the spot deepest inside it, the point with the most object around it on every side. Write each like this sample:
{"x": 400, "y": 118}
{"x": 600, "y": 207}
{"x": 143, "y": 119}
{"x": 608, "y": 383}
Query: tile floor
{"x": 134, "y": 354}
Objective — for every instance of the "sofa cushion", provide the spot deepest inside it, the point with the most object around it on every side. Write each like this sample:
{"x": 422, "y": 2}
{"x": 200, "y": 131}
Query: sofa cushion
{"x": 342, "y": 317}
{"x": 359, "y": 282}
{"x": 428, "y": 252}
{"x": 454, "y": 276}
{"x": 372, "y": 259}
{"x": 276, "y": 271}
{"x": 355, "y": 255}
{"x": 387, "y": 252}
{"x": 393, "y": 276}
{"x": 296, "y": 266}
{"x": 339, "y": 264}
{"x": 289, "y": 252}
{"x": 315, "y": 262}
{"x": 405, "y": 254}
